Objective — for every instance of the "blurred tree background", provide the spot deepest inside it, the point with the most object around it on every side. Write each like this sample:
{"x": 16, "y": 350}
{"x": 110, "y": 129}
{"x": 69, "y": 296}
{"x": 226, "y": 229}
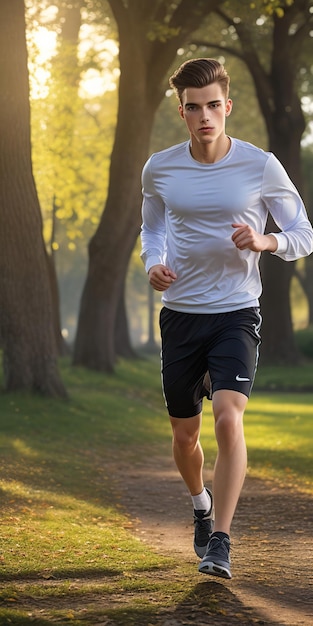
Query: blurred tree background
{"x": 100, "y": 103}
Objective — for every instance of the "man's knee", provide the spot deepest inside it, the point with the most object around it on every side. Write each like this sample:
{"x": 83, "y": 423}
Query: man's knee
{"x": 228, "y": 408}
{"x": 186, "y": 432}
{"x": 228, "y": 425}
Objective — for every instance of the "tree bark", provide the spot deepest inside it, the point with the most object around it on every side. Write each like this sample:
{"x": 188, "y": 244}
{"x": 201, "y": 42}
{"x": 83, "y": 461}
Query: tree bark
{"x": 26, "y": 319}
{"x": 286, "y": 125}
{"x": 151, "y": 345}
{"x": 305, "y": 279}
{"x": 122, "y": 343}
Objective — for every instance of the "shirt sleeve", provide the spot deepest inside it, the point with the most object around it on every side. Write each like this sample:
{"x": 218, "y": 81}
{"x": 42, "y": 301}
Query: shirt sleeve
{"x": 153, "y": 231}
{"x": 288, "y": 211}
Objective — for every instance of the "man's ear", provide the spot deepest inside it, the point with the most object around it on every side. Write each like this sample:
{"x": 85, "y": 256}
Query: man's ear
{"x": 229, "y": 106}
{"x": 181, "y": 111}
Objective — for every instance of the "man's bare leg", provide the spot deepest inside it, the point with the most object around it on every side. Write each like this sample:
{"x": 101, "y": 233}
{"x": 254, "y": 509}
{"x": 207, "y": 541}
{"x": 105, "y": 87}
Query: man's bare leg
{"x": 231, "y": 462}
{"x": 187, "y": 451}
{"x": 188, "y": 455}
{"x": 229, "y": 474}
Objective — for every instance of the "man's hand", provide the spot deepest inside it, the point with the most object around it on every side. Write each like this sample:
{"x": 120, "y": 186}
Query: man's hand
{"x": 246, "y": 238}
{"x": 161, "y": 277}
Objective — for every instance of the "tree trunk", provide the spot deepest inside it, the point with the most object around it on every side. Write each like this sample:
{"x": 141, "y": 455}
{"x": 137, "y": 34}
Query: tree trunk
{"x": 26, "y": 319}
{"x": 151, "y": 345}
{"x": 285, "y": 126}
{"x": 277, "y": 346}
{"x": 122, "y": 343}
{"x": 305, "y": 279}
{"x": 119, "y": 227}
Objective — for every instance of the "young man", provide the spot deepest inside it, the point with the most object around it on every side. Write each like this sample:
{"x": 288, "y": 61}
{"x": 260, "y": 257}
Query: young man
{"x": 205, "y": 205}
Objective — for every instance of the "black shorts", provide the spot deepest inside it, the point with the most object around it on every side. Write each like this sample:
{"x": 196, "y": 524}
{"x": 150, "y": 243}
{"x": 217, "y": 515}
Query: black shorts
{"x": 221, "y": 347}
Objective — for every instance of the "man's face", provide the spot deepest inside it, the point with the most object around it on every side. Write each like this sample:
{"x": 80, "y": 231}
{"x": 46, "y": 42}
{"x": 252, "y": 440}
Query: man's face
{"x": 204, "y": 110}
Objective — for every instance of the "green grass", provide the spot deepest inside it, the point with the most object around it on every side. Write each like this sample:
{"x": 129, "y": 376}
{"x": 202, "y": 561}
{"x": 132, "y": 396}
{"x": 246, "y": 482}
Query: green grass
{"x": 279, "y": 378}
{"x": 66, "y": 543}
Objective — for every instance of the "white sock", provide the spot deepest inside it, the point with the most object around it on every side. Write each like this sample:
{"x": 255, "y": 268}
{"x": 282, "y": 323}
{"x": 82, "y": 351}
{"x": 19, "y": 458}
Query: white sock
{"x": 202, "y": 502}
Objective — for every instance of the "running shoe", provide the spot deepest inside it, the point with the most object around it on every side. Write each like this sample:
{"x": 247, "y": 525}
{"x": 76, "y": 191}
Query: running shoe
{"x": 216, "y": 560}
{"x": 203, "y": 528}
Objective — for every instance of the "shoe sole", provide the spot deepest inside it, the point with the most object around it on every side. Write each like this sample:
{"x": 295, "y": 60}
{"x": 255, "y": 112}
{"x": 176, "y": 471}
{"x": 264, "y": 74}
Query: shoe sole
{"x": 214, "y": 570}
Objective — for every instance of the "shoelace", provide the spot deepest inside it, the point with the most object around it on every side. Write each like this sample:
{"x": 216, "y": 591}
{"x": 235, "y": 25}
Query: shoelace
{"x": 203, "y": 525}
{"x": 217, "y": 545}
{"x": 205, "y": 518}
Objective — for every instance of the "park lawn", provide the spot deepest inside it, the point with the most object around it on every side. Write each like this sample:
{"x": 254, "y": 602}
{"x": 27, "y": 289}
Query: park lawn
{"x": 65, "y": 540}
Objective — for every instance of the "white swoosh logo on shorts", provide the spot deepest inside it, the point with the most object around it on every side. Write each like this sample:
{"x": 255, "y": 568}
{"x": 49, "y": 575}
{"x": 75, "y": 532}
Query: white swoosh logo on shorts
{"x": 240, "y": 379}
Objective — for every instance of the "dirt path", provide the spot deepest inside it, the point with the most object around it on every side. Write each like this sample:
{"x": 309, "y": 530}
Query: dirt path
{"x": 272, "y": 547}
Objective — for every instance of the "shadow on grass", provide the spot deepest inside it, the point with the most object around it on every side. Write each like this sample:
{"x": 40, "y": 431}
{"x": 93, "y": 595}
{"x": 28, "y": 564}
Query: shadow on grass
{"x": 209, "y": 603}
{"x": 64, "y": 574}
{"x": 213, "y": 600}
{"x": 11, "y": 619}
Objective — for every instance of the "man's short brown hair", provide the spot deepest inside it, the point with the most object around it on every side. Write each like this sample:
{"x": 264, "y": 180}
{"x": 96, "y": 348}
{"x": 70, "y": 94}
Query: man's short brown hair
{"x": 199, "y": 73}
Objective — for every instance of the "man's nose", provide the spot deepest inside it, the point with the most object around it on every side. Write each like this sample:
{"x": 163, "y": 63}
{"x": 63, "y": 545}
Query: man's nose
{"x": 205, "y": 114}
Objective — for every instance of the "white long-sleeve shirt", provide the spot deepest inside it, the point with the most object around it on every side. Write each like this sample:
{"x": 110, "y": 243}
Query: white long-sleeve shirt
{"x": 188, "y": 210}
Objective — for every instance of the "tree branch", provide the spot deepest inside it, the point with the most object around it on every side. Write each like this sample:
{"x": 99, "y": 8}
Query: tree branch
{"x": 185, "y": 19}
{"x": 216, "y": 46}
{"x": 224, "y": 16}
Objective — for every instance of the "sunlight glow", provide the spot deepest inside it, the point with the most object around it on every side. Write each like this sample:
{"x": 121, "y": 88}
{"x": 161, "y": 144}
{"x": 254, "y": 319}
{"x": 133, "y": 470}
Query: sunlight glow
{"x": 307, "y": 105}
{"x": 45, "y": 41}
{"x": 95, "y": 82}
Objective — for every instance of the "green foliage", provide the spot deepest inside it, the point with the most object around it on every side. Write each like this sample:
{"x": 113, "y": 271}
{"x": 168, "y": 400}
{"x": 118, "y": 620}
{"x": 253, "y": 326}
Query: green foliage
{"x": 276, "y": 7}
{"x": 162, "y": 32}
{"x": 72, "y": 143}
{"x": 73, "y": 126}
